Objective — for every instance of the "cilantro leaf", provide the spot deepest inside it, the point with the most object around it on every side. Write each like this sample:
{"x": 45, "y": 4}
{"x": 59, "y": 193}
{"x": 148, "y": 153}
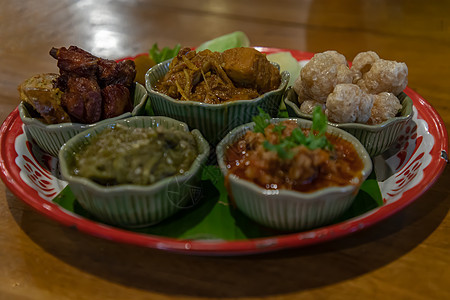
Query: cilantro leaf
{"x": 164, "y": 54}
{"x": 298, "y": 137}
{"x": 278, "y": 128}
{"x": 287, "y": 144}
{"x": 319, "y": 128}
{"x": 261, "y": 121}
{"x": 319, "y": 121}
{"x": 281, "y": 151}
{"x": 316, "y": 139}
{"x": 317, "y": 142}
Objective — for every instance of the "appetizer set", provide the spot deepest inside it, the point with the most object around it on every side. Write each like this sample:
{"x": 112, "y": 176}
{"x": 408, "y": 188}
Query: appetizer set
{"x": 225, "y": 149}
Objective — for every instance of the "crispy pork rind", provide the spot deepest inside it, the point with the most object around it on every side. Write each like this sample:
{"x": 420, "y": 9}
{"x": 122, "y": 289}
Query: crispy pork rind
{"x": 385, "y": 76}
{"x": 338, "y": 58}
{"x": 307, "y": 106}
{"x": 300, "y": 89}
{"x": 362, "y": 63}
{"x": 385, "y": 106}
{"x": 348, "y": 104}
{"x": 321, "y": 74}
{"x": 320, "y": 77}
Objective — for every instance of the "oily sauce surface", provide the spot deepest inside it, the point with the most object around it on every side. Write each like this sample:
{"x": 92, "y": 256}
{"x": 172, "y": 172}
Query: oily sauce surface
{"x": 317, "y": 168}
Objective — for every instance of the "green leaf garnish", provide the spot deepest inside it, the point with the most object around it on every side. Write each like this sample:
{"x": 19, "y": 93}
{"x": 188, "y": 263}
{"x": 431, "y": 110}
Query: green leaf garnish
{"x": 298, "y": 137}
{"x": 164, "y": 54}
{"x": 282, "y": 152}
{"x": 279, "y": 129}
{"x": 319, "y": 128}
{"x": 319, "y": 121}
{"x": 315, "y": 140}
{"x": 261, "y": 121}
{"x": 318, "y": 143}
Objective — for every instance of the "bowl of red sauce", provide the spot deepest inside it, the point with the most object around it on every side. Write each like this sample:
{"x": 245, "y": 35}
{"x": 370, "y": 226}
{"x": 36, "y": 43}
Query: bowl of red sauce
{"x": 292, "y": 174}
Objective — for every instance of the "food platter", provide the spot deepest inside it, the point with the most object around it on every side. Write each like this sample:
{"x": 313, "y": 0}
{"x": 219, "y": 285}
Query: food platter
{"x": 403, "y": 173}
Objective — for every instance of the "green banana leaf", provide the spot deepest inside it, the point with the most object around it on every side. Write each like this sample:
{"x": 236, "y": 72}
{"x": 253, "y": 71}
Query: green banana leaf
{"x": 215, "y": 218}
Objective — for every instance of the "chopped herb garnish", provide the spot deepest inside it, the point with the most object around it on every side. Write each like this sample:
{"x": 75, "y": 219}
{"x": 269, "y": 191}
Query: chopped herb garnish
{"x": 315, "y": 140}
{"x": 162, "y": 55}
{"x": 261, "y": 121}
{"x": 282, "y": 151}
{"x": 298, "y": 137}
{"x": 279, "y": 129}
{"x": 319, "y": 120}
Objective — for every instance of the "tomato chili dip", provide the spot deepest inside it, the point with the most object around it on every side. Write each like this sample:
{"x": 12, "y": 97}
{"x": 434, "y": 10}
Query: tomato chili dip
{"x": 301, "y": 169}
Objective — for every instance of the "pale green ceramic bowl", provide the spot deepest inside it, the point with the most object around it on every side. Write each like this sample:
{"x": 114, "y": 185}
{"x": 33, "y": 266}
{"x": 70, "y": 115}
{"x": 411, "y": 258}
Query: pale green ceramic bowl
{"x": 129, "y": 205}
{"x": 213, "y": 120}
{"x": 51, "y": 137}
{"x": 286, "y": 209}
{"x": 375, "y": 138}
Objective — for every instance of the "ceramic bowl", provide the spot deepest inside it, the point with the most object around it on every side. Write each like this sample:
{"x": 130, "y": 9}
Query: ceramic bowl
{"x": 50, "y": 137}
{"x": 130, "y": 205}
{"x": 287, "y": 209}
{"x": 375, "y": 138}
{"x": 213, "y": 120}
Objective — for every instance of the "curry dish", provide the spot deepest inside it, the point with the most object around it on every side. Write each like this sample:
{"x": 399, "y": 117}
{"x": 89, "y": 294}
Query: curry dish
{"x": 217, "y": 77}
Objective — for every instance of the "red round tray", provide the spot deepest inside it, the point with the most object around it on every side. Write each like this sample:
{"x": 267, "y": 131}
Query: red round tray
{"x": 416, "y": 164}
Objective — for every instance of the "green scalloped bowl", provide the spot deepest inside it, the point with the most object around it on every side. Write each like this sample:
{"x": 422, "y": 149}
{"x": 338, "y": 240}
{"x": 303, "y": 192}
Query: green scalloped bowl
{"x": 286, "y": 209}
{"x": 213, "y": 120}
{"x": 129, "y": 205}
{"x": 375, "y": 138}
{"x": 50, "y": 138}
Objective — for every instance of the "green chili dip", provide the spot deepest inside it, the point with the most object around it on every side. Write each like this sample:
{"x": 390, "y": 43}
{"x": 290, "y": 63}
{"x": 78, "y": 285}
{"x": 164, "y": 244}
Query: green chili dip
{"x": 142, "y": 156}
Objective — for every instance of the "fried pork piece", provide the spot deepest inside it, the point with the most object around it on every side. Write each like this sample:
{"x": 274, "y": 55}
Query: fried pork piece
{"x": 85, "y": 79}
{"x": 362, "y": 63}
{"x": 321, "y": 74}
{"x": 247, "y": 67}
{"x": 116, "y": 100}
{"x": 111, "y": 72}
{"x": 348, "y": 103}
{"x": 385, "y": 76}
{"x": 75, "y": 60}
{"x": 385, "y": 106}
{"x": 38, "y": 91}
{"x": 83, "y": 99}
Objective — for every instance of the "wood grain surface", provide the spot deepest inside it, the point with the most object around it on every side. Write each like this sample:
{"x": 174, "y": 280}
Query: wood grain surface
{"x": 406, "y": 256}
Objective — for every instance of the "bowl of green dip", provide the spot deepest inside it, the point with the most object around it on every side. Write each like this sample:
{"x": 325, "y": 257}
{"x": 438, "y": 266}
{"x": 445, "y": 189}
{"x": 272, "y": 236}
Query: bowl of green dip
{"x": 135, "y": 172}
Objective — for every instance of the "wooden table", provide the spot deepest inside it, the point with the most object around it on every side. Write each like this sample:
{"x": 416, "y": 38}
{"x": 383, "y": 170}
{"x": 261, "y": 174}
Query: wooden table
{"x": 406, "y": 256}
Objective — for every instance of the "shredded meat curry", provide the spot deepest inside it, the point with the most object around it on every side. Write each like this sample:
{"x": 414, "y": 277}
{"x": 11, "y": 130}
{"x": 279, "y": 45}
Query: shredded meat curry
{"x": 214, "y": 77}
